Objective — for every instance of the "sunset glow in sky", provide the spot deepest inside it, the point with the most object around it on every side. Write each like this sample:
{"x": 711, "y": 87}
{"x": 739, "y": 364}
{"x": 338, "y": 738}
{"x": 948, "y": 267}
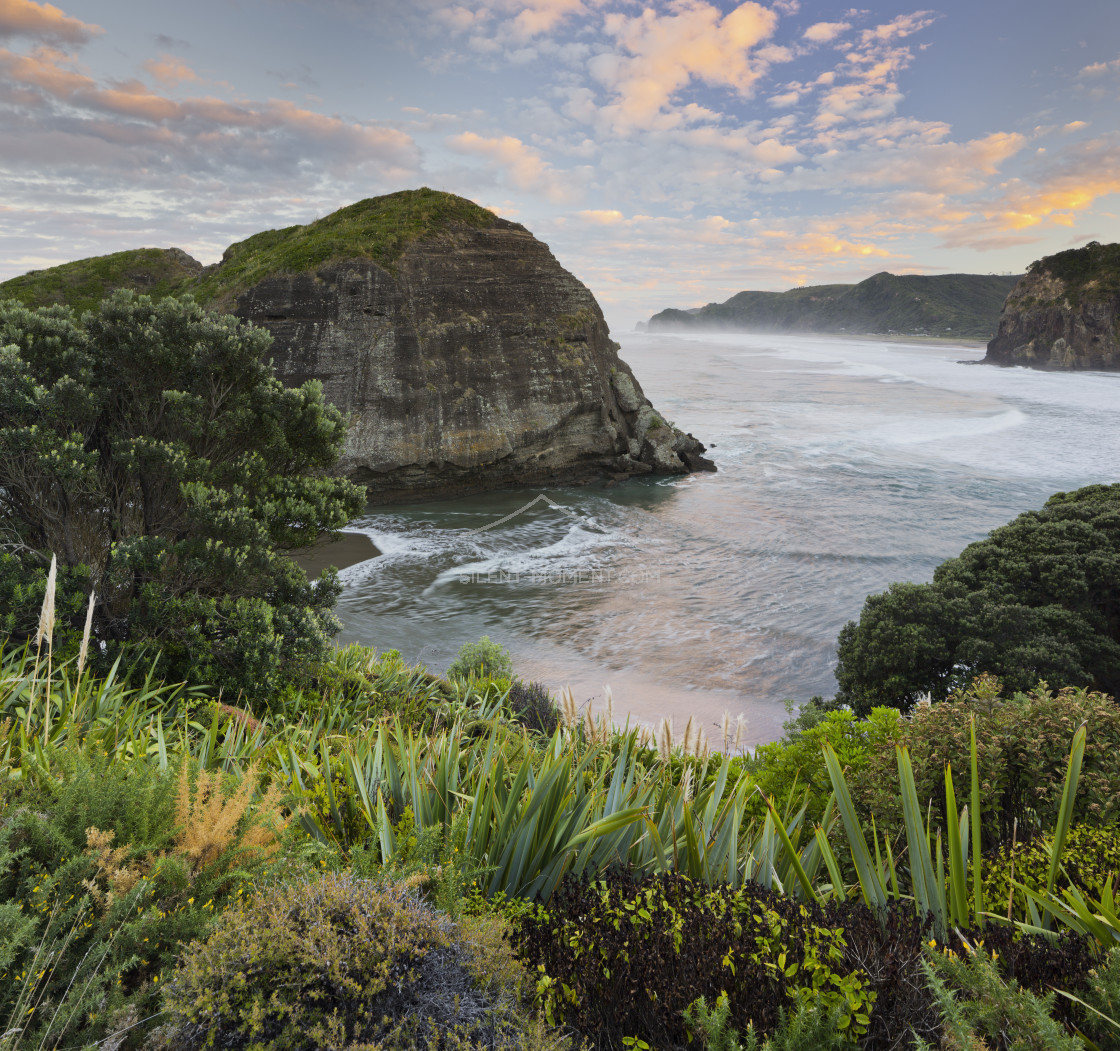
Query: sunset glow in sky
{"x": 671, "y": 152}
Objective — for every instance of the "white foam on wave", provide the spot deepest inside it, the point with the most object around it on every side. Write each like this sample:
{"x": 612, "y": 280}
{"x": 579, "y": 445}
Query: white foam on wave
{"x": 917, "y": 430}
{"x": 578, "y": 551}
{"x": 518, "y": 547}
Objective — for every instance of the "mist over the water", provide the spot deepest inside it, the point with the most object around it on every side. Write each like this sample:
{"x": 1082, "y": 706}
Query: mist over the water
{"x": 844, "y": 465}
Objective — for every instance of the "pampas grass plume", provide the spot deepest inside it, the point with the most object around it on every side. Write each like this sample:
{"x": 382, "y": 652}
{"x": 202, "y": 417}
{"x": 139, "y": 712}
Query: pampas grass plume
{"x": 86, "y": 633}
{"x": 46, "y": 614}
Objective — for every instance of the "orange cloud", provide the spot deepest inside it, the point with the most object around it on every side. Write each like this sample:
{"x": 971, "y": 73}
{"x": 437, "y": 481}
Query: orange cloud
{"x": 1100, "y": 69}
{"x": 523, "y": 165}
{"x": 1053, "y": 203}
{"x": 540, "y": 16}
{"x": 170, "y": 70}
{"x": 43, "y": 22}
{"x": 43, "y": 80}
{"x": 823, "y": 32}
{"x": 823, "y": 245}
{"x": 658, "y": 55}
{"x": 601, "y": 217}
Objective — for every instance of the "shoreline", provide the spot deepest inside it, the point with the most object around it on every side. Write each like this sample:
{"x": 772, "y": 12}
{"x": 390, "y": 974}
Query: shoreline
{"x": 347, "y": 550}
{"x": 879, "y": 337}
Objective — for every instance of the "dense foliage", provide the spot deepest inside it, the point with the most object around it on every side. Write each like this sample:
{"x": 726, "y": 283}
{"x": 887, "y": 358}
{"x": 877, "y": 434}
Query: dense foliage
{"x": 150, "y": 447}
{"x": 1038, "y": 599}
{"x": 621, "y": 957}
{"x": 480, "y": 659}
{"x": 1022, "y": 754}
{"x": 82, "y": 284}
{"x": 106, "y": 870}
{"x": 334, "y": 963}
{"x": 802, "y": 924}
{"x": 1092, "y": 271}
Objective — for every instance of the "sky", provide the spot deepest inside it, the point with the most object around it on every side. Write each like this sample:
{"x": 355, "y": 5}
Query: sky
{"x": 670, "y": 152}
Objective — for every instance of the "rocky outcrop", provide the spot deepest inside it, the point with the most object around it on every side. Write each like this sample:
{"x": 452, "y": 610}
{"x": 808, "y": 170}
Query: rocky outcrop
{"x": 1064, "y": 313}
{"x": 472, "y": 361}
{"x": 464, "y": 355}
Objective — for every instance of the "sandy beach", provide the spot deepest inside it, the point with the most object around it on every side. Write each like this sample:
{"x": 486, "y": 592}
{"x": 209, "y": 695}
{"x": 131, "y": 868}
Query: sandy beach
{"x": 348, "y": 550}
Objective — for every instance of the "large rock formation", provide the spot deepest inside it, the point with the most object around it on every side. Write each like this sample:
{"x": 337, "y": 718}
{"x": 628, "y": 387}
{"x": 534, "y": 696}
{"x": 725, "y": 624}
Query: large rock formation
{"x": 464, "y": 355}
{"x": 1063, "y": 313}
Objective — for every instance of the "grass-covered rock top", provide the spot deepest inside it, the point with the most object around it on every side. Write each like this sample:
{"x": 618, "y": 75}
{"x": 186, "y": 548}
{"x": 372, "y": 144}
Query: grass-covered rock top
{"x": 83, "y": 284}
{"x": 378, "y": 228}
{"x": 1092, "y": 272}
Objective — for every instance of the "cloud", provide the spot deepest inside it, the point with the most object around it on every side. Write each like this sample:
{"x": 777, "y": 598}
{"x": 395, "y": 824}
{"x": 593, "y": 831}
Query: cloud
{"x": 43, "y": 22}
{"x": 171, "y": 71}
{"x": 494, "y": 25}
{"x": 61, "y": 120}
{"x": 601, "y": 216}
{"x": 170, "y": 43}
{"x": 824, "y": 245}
{"x": 1100, "y": 69}
{"x": 656, "y": 56}
{"x": 823, "y": 32}
{"x": 1021, "y": 210}
{"x": 522, "y": 165}
{"x": 898, "y": 28}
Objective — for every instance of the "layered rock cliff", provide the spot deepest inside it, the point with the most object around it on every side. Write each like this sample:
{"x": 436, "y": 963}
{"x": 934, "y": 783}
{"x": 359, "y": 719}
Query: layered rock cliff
{"x": 464, "y": 355}
{"x": 1064, "y": 313}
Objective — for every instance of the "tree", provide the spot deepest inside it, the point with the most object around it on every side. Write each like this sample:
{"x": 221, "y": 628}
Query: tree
{"x": 1038, "y": 599}
{"x": 152, "y": 449}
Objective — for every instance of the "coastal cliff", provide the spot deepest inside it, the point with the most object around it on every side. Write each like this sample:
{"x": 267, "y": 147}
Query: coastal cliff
{"x": 464, "y": 355}
{"x": 1064, "y": 313}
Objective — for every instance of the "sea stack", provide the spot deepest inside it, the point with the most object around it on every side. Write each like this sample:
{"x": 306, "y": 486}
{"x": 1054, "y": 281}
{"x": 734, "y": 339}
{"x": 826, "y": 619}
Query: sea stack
{"x": 464, "y": 355}
{"x": 1063, "y": 313}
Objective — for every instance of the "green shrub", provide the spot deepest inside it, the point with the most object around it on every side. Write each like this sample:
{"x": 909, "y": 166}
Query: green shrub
{"x": 151, "y": 448}
{"x": 808, "y": 1027}
{"x": 115, "y": 865}
{"x": 532, "y": 705}
{"x": 1090, "y": 856}
{"x": 1034, "y": 600}
{"x": 978, "y": 1004}
{"x": 1023, "y": 744}
{"x": 1099, "y": 1018}
{"x": 798, "y": 760}
{"x": 336, "y": 964}
{"x": 482, "y": 658}
{"x": 622, "y": 958}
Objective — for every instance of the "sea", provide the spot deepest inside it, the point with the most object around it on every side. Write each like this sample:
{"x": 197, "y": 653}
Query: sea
{"x": 844, "y": 464}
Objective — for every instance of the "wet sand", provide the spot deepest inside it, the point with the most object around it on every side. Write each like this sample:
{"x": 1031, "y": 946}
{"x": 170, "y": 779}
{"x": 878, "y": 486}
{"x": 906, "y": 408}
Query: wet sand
{"x": 348, "y": 550}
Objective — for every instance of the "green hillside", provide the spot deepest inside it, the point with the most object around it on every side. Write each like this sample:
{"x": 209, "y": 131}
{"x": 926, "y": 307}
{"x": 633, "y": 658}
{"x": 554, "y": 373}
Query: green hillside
{"x": 83, "y": 284}
{"x": 378, "y": 228}
{"x": 958, "y": 305}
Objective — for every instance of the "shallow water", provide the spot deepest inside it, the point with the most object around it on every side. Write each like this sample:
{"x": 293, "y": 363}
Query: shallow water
{"x": 844, "y": 465}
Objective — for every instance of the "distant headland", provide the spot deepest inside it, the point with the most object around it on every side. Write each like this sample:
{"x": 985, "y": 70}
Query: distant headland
{"x": 958, "y": 306}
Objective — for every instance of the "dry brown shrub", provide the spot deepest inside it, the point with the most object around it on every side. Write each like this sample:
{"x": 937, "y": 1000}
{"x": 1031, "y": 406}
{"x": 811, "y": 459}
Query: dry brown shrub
{"x": 212, "y": 821}
{"x": 112, "y": 868}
